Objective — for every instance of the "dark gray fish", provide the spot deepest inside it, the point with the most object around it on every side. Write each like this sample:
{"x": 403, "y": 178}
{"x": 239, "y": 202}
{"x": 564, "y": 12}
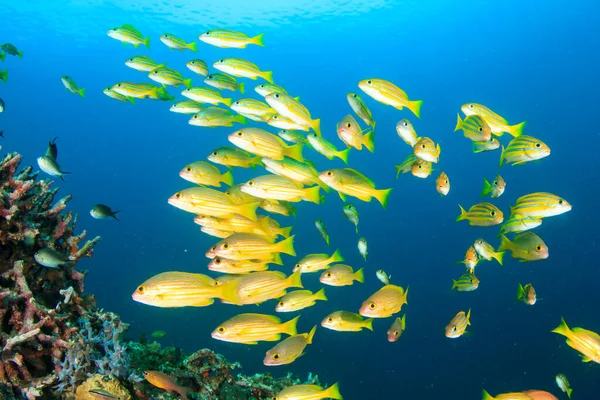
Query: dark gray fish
{"x": 11, "y": 49}
{"x": 50, "y": 258}
{"x": 100, "y": 211}
{"x": 52, "y": 150}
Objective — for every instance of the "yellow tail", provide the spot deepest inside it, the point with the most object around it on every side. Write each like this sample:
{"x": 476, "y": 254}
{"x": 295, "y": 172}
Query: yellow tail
{"x": 227, "y": 102}
{"x": 498, "y": 256}
{"x": 315, "y": 124}
{"x": 258, "y": 40}
{"x": 383, "y": 196}
{"x": 487, "y": 396}
{"x": 505, "y": 243}
{"x": 312, "y": 194}
{"x": 268, "y": 76}
{"x": 517, "y": 130}
{"x": 192, "y": 46}
{"x": 311, "y": 335}
{"x": 333, "y": 392}
{"x": 290, "y": 327}
{"x": 463, "y": 214}
{"x": 562, "y": 329}
{"x": 242, "y": 87}
{"x": 342, "y": 155}
{"x": 227, "y": 178}
{"x": 295, "y": 280}
{"x": 369, "y": 141}
{"x": 458, "y": 123}
{"x": 295, "y": 152}
{"x": 415, "y": 107}
{"x": 368, "y": 323}
{"x": 360, "y": 275}
{"x": 287, "y": 246}
{"x": 248, "y": 210}
{"x": 320, "y": 295}
{"x": 336, "y": 257}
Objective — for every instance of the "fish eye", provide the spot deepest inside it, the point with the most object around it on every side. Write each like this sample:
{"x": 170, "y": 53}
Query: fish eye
{"x": 539, "y": 248}
{"x": 495, "y": 183}
{"x": 145, "y": 373}
{"x": 214, "y": 153}
{"x": 560, "y": 201}
{"x": 131, "y": 59}
{"x": 276, "y": 356}
{"x": 207, "y": 33}
{"x": 372, "y": 306}
{"x": 492, "y": 140}
{"x": 195, "y": 116}
{"x": 480, "y": 241}
{"x": 493, "y": 213}
{"x": 118, "y": 85}
{"x": 225, "y": 245}
{"x": 281, "y": 304}
{"x": 141, "y": 289}
{"x": 329, "y": 173}
{"x": 396, "y": 333}
{"x": 328, "y": 275}
{"x": 538, "y": 145}
{"x": 423, "y": 146}
{"x": 454, "y": 328}
{"x": 348, "y": 124}
{"x": 188, "y": 169}
{"x": 221, "y": 329}
{"x": 193, "y": 62}
{"x": 240, "y": 133}
{"x": 262, "y": 86}
{"x": 354, "y": 95}
{"x": 276, "y": 95}
{"x": 329, "y": 319}
{"x": 221, "y": 61}
{"x": 480, "y": 129}
{"x": 470, "y": 105}
{"x": 420, "y": 166}
{"x": 369, "y": 82}
{"x": 405, "y": 123}
{"x": 237, "y": 103}
{"x": 177, "y": 195}
{"x": 217, "y": 261}
{"x": 250, "y": 183}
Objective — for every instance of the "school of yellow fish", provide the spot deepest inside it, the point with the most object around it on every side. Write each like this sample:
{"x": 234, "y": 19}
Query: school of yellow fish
{"x": 250, "y": 243}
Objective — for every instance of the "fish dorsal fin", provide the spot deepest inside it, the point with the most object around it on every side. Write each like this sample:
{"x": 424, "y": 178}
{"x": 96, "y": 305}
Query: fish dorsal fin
{"x": 131, "y": 28}
{"x": 360, "y": 175}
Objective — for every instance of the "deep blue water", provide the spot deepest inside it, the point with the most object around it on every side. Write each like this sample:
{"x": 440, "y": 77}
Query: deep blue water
{"x": 527, "y": 60}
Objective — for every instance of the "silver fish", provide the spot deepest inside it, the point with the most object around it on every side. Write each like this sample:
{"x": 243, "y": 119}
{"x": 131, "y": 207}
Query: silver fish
{"x": 50, "y": 258}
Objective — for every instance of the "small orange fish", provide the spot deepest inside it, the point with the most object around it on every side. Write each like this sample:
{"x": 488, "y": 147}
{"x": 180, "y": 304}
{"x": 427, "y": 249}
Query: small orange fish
{"x": 442, "y": 184}
{"x": 396, "y": 329}
{"x": 471, "y": 259}
{"x": 164, "y": 381}
{"x": 427, "y": 150}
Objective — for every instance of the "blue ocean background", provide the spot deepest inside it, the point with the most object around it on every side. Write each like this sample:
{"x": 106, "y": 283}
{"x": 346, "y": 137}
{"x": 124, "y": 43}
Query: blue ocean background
{"x": 527, "y": 60}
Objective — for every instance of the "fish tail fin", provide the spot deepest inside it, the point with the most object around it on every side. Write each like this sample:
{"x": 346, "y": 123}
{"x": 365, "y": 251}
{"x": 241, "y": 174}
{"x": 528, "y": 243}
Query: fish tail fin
{"x": 454, "y": 284}
{"x": 312, "y": 194}
{"x": 360, "y": 275}
{"x": 290, "y": 327}
{"x": 398, "y": 170}
{"x": 277, "y": 259}
{"x": 311, "y": 335}
{"x": 227, "y": 178}
{"x": 520, "y": 292}
{"x": 463, "y": 214}
{"x": 183, "y": 392}
{"x": 295, "y": 152}
{"x": 227, "y": 102}
{"x": 333, "y": 392}
{"x": 469, "y": 317}
{"x": 562, "y": 329}
{"x": 459, "y": 123}
{"x": 242, "y": 87}
{"x": 258, "y": 40}
{"x": 415, "y": 107}
{"x": 287, "y": 246}
{"x": 504, "y": 243}
{"x": 81, "y": 92}
{"x": 192, "y": 46}
{"x": 343, "y": 155}
{"x": 499, "y": 256}
{"x": 131, "y": 100}
{"x": 336, "y": 256}
{"x": 487, "y": 396}
{"x": 248, "y": 210}
{"x": 487, "y": 188}
{"x": 569, "y": 392}
{"x": 20, "y": 54}
{"x": 403, "y": 322}
{"x": 268, "y": 76}
{"x": 147, "y": 42}
{"x": 241, "y": 119}
{"x": 295, "y": 279}
{"x": 405, "y": 294}
{"x": 501, "y": 157}
{"x": 383, "y": 195}
{"x": 285, "y": 232}
{"x": 368, "y": 323}
{"x": 187, "y": 83}
{"x": 369, "y": 141}
{"x": 320, "y": 295}
{"x": 327, "y": 239}
{"x": 517, "y": 130}
{"x": 315, "y": 124}
{"x": 114, "y": 215}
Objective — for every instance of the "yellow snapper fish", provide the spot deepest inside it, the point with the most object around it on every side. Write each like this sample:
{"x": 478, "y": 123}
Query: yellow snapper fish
{"x": 187, "y": 107}
{"x": 71, "y": 86}
{"x": 200, "y": 200}
{"x": 526, "y": 246}
{"x": 292, "y": 136}
{"x": 302, "y": 173}
{"x": 232, "y": 157}
{"x": 387, "y": 93}
{"x": 309, "y": 392}
{"x": 474, "y": 128}
{"x": 198, "y": 66}
{"x": 143, "y": 63}
{"x": 360, "y": 108}
{"x": 517, "y": 223}
{"x": 262, "y": 143}
{"x": 288, "y": 350}
{"x": 524, "y": 149}
{"x": 385, "y": 302}
{"x": 526, "y": 294}
{"x": 291, "y": 108}
{"x": 487, "y": 252}
{"x": 275, "y": 187}
{"x": 224, "y": 82}
{"x": 585, "y": 342}
{"x": 471, "y": 259}
{"x": 247, "y": 246}
{"x": 225, "y": 266}
{"x": 203, "y": 173}
{"x": 178, "y": 289}
{"x": 345, "y": 321}
{"x": 114, "y": 95}
{"x": 540, "y": 205}
{"x": 442, "y": 184}
{"x": 240, "y": 224}
{"x": 406, "y": 165}
{"x": 279, "y": 121}
{"x": 326, "y": 148}
{"x": 238, "y": 197}
{"x": 258, "y": 287}
{"x": 507, "y": 396}
{"x": 352, "y": 135}
{"x": 168, "y": 76}
{"x": 496, "y": 188}
{"x": 427, "y": 150}
{"x": 465, "y": 283}
{"x": 488, "y": 145}
{"x": 278, "y": 207}
{"x": 206, "y": 95}
{"x": 497, "y": 124}
{"x": 265, "y": 89}
{"x": 230, "y": 39}
{"x": 128, "y": 34}
{"x": 341, "y": 275}
{"x": 482, "y": 214}
{"x": 407, "y": 132}
{"x": 317, "y": 262}
{"x": 348, "y": 181}
{"x": 421, "y": 168}
{"x": 215, "y": 232}
{"x": 396, "y": 329}
{"x": 274, "y": 227}
{"x": 458, "y": 325}
{"x": 175, "y": 43}
{"x": 299, "y": 300}
{"x": 252, "y": 328}
{"x": 254, "y": 109}
{"x": 213, "y": 117}
{"x": 242, "y": 69}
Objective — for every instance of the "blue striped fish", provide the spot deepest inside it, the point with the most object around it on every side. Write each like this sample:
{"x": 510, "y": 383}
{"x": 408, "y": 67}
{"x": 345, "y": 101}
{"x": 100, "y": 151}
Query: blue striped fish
{"x": 482, "y": 214}
{"x": 474, "y": 127}
{"x": 168, "y": 76}
{"x": 458, "y": 326}
{"x": 540, "y": 205}
{"x": 524, "y": 149}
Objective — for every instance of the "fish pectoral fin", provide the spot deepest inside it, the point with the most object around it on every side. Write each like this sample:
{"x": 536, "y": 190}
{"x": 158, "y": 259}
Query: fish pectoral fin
{"x": 585, "y": 359}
